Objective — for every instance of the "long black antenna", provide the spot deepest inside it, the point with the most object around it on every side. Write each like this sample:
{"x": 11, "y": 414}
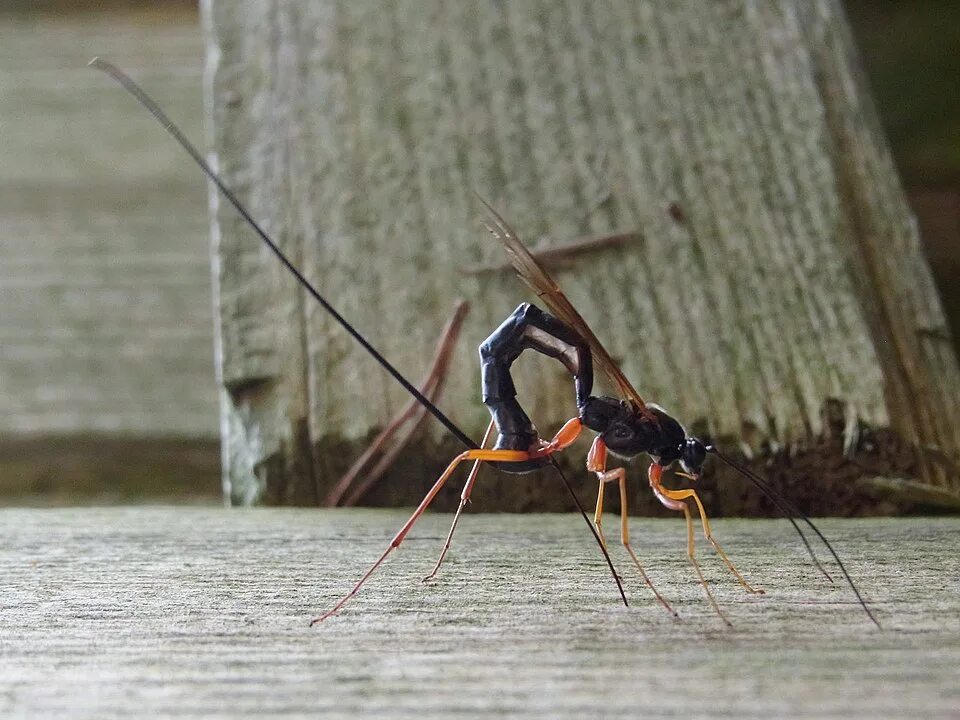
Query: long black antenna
{"x": 785, "y": 511}
{"x": 131, "y": 87}
{"x": 145, "y": 100}
{"x": 781, "y": 503}
{"x": 789, "y": 509}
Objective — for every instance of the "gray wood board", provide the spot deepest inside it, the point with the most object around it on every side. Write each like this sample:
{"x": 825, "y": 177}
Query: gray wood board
{"x": 203, "y": 612}
{"x": 104, "y": 250}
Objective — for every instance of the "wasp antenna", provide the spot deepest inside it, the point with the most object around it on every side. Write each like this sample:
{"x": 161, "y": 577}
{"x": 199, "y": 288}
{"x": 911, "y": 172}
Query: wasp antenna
{"x": 781, "y": 504}
{"x": 131, "y": 87}
{"x": 785, "y": 511}
{"x": 788, "y": 509}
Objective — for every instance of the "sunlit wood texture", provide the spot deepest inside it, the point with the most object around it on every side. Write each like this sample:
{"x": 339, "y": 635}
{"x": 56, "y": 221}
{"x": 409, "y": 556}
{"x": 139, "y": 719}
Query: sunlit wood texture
{"x": 199, "y": 612}
{"x": 779, "y": 265}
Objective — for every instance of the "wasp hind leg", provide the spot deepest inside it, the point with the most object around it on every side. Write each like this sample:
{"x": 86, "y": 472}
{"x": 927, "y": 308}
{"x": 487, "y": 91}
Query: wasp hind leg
{"x": 479, "y": 455}
{"x": 564, "y": 437}
{"x": 464, "y": 499}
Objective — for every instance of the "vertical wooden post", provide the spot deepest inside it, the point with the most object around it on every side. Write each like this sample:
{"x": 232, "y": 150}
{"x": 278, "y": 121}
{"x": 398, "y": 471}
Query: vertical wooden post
{"x": 777, "y": 265}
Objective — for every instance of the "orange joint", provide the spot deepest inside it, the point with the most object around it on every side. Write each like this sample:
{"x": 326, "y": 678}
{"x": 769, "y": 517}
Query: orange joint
{"x": 565, "y": 437}
{"x": 568, "y": 433}
{"x": 597, "y": 457}
{"x": 654, "y": 473}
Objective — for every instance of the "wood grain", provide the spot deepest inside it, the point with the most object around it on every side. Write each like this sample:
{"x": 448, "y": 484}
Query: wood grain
{"x": 104, "y": 257}
{"x": 780, "y": 267}
{"x": 203, "y": 613}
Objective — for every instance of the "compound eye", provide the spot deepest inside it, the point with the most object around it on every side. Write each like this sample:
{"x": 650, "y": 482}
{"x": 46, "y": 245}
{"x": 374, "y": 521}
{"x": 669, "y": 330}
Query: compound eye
{"x": 694, "y": 455}
{"x": 622, "y": 432}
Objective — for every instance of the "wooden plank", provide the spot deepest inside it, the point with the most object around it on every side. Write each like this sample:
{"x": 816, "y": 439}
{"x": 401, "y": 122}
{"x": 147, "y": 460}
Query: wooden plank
{"x": 104, "y": 259}
{"x": 203, "y": 612}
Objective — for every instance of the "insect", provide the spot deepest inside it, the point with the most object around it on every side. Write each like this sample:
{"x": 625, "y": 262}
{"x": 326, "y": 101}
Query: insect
{"x": 625, "y": 425}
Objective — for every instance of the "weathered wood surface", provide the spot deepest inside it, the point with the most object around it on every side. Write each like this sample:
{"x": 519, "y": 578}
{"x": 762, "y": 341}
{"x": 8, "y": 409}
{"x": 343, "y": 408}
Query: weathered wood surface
{"x": 779, "y": 265}
{"x": 106, "y": 322}
{"x": 203, "y": 612}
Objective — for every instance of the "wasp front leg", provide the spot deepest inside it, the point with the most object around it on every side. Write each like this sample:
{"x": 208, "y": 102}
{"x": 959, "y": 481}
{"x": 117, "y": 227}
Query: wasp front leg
{"x": 681, "y": 495}
{"x": 597, "y": 463}
{"x": 676, "y": 500}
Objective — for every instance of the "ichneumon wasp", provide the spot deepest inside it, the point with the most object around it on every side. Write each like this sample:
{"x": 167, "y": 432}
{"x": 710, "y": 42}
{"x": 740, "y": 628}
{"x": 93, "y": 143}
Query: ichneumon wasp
{"x": 625, "y": 425}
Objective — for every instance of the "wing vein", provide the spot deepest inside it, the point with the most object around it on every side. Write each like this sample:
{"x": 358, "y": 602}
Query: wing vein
{"x": 546, "y": 288}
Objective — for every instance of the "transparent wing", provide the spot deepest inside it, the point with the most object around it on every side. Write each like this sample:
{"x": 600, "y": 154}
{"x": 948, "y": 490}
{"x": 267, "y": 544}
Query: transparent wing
{"x": 546, "y": 288}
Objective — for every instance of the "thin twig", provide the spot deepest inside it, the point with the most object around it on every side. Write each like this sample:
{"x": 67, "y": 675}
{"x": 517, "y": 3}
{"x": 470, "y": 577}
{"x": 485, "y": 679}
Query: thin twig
{"x": 411, "y": 415}
{"x": 561, "y": 252}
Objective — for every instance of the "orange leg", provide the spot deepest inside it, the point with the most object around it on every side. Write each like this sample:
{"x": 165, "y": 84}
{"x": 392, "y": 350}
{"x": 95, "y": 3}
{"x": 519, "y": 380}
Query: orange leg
{"x": 464, "y": 499}
{"x": 678, "y": 504}
{"x": 564, "y": 438}
{"x": 676, "y": 500}
{"x": 567, "y": 434}
{"x": 596, "y": 462}
{"x": 691, "y": 554}
{"x": 683, "y": 495}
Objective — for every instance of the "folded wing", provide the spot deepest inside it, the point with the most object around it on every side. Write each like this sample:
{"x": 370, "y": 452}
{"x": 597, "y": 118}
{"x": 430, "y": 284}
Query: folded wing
{"x": 546, "y": 288}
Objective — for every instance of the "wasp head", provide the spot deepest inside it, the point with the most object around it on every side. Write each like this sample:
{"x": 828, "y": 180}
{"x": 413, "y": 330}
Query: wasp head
{"x": 693, "y": 453}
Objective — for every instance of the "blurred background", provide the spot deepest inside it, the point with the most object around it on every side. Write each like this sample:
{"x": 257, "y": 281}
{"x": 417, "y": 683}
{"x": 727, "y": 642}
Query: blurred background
{"x": 107, "y": 384}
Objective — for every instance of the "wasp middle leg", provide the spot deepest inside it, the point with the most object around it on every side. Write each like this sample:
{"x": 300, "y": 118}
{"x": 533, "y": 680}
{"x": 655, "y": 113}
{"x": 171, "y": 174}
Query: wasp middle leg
{"x": 597, "y": 463}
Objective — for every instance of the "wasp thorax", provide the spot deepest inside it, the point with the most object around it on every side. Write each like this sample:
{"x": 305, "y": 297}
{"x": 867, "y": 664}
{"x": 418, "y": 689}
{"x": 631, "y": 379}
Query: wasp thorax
{"x": 627, "y": 432}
